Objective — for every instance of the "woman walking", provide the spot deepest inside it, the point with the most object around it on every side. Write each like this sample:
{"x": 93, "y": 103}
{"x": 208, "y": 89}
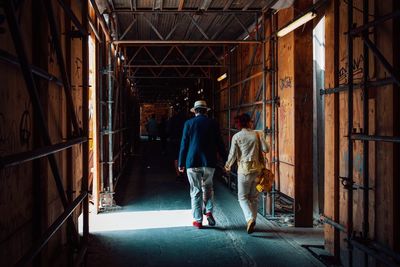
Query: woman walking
{"x": 247, "y": 149}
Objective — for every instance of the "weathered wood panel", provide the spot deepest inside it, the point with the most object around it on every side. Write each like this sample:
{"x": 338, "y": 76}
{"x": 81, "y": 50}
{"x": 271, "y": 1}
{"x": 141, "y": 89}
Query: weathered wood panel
{"x": 16, "y": 135}
{"x": 286, "y": 83}
{"x": 331, "y": 207}
{"x": 303, "y": 121}
{"x": 382, "y": 121}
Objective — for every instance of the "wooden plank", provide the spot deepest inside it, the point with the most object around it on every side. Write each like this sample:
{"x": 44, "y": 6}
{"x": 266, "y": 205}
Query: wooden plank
{"x": 285, "y": 113}
{"x": 385, "y": 110}
{"x": 16, "y": 135}
{"x": 331, "y": 201}
{"x": 303, "y": 123}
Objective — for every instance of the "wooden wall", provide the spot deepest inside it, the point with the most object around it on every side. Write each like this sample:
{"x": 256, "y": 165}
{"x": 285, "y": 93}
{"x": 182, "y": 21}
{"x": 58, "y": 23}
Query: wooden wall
{"x": 383, "y": 120}
{"x": 294, "y": 115}
{"x": 31, "y": 186}
{"x": 295, "y": 90}
{"x": 16, "y": 183}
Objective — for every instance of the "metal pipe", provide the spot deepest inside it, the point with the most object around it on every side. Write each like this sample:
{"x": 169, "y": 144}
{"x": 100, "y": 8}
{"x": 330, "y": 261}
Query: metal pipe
{"x": 264, "y": 113}
{"x": 55, "y": 34}
{"x": 365, "y": 226}
{"x": 242, "y": 81}
{"x": 183, "y": 42}
{"x": 174, "y": 66}
{"x": 379, "y": 138}
{"x": 38, "y": 245}
{"x": 169, "y": 77}
{"x": 34, "y": 96}
{"x": 114, "y": 131}
{"x": 349, "y": 132}
{"x": 248, "y": 75}
{"x": 94, "y": 29}
{"x": 369, "y": 84}
{"x": 366, "y": 25}
{"x": 382, "y": 59}
{"x": 245, "y": 105}
{"x": 331, "y": 222}
{"x": 19, "y": 158}
{"x": 102, "y": 21}
{"x": 110, "y": 120}
{"x": 373, "y": 252}
{"x": 186, "y": 12}
{"x": 85, "y": 123}
{"x": 7, "y": 57}
{"x": 74, "y": 19}
{"x": 274, "y": 145}
{"x": 101, "y": 137}
{"x": 229, "y": 106}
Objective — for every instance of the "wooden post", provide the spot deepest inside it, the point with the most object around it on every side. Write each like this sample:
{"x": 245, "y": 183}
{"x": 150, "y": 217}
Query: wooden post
{"x": 331, "y": 208}
{"x": 303, "y": 122}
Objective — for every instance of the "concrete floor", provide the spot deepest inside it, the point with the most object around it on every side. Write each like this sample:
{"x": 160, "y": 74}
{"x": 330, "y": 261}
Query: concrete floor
{"x": 153, "y": 226}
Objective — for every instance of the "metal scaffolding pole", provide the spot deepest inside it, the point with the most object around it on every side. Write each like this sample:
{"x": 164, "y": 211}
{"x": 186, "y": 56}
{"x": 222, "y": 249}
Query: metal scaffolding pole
{"x": 264, "y": 114}
{"x": 273, "y": 109}
{"x": 85, "y": 125}
{"x": 365, "y": 226}
{"x": 229, "y": 108}
{"x": 110, "y": 122}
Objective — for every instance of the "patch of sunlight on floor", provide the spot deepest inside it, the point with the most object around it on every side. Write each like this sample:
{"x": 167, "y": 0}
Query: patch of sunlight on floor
{"x": 138, "y": 220}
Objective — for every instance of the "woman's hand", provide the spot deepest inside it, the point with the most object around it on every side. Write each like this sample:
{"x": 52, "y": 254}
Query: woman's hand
{"x": 227, "y": 168}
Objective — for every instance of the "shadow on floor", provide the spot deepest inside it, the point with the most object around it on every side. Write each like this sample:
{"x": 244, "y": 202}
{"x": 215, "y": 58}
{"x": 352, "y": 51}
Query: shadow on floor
{"x": 153, "y": 226}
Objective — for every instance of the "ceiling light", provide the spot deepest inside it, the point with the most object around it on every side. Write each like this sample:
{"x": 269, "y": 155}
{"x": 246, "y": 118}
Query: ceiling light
{"x": 223, "y": 76}
{"x": 297, "y": 23}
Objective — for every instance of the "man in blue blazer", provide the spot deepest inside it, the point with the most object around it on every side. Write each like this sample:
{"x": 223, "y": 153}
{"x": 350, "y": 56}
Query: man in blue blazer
{"x": 201, "y": 140}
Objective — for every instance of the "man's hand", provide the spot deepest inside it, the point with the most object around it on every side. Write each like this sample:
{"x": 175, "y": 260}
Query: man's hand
{"x": 181, "y": 169}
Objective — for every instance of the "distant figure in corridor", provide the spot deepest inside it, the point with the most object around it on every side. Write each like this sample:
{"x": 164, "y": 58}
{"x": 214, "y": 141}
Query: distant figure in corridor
{"x": 174, "y": 130}
{"x": 201, "y": 140}
{"x": 152, "y": 127}
{"x": 247, "y": 149}
{"x": 162, "y": 132}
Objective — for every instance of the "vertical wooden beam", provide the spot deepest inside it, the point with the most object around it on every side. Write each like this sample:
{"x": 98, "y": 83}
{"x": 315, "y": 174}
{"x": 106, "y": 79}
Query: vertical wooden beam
{"x": 331, "y": 207}
{"x": 303, "y": 122}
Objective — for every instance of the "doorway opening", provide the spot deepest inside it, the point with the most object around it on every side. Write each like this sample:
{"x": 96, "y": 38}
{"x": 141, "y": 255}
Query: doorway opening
{"x": 318, "y": 116}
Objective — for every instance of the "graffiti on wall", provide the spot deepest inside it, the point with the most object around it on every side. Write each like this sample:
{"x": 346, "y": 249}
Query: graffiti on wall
{"x": 78, "y": 67}
{"x": 285, "y": 82}
{"x": 8, "y": 142}
{"x": 25, "y": 127}
{"x": 358, "y": 70}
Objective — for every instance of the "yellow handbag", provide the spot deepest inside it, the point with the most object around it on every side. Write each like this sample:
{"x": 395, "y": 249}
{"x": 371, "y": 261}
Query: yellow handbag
{"x": 265, "y": 181}
{"x": 266, "y": 177}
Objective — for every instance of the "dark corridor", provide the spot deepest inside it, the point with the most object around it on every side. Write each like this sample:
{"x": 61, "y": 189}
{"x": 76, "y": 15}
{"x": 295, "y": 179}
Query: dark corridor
{"x": 160, "y": 231}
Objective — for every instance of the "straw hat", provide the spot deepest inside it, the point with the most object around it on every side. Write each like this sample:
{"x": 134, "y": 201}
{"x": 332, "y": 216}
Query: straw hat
{"x": 199, "y": 104}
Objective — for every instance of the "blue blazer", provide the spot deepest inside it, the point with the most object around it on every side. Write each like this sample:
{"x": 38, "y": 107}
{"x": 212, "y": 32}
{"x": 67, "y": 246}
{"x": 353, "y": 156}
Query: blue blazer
{"x": 201, "y": 140}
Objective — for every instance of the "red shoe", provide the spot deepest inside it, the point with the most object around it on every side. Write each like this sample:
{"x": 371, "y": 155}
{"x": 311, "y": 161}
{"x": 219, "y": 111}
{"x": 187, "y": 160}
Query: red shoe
{"x": 197, "y": 224}
{"x": 210, "y": 219}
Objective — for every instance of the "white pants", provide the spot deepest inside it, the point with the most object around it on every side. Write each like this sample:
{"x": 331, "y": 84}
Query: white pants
{"x": 201, "y": 190}
{"x": 248, "y": 195}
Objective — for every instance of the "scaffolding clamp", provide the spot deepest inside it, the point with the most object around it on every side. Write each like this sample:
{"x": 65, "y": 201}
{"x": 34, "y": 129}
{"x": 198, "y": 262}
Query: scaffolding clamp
{"x": 352, "y": 185}
{"x": 268, "y": 130}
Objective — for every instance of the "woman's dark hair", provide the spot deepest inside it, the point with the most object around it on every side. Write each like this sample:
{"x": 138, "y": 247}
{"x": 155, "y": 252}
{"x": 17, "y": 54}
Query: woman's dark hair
{"x": 243, "y": 120}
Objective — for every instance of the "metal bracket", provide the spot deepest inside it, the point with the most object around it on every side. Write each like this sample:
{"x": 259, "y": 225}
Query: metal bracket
{"x": 74, "y": 34}
{"x": 346, "y": 184}
{"x": 268, "y": 130}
